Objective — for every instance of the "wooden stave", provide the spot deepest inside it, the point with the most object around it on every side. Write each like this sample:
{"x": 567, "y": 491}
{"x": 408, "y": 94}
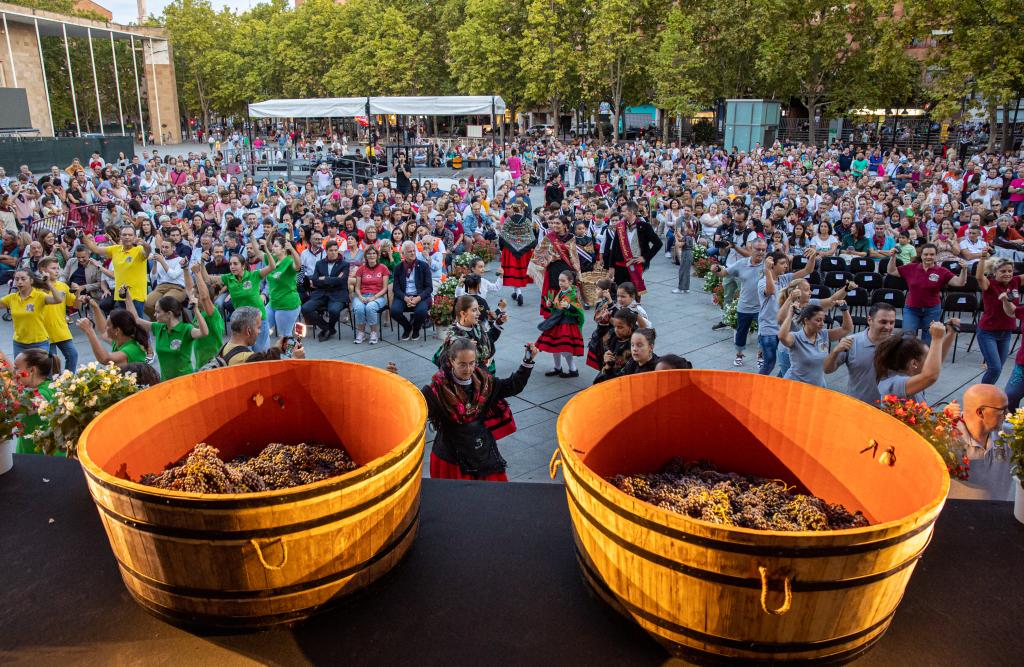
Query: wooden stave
{"x": 384, "y": 494}
{"x": 910, "y": 534}
{"x": 134, "y": 548}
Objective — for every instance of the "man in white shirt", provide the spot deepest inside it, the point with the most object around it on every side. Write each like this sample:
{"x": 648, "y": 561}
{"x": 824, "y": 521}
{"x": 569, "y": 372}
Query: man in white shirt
{"x": 502, "y": 176}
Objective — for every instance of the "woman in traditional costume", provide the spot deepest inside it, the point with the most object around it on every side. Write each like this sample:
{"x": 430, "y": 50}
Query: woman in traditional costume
{"x": 470, "y": 323}
{"x": 555, "y": 253}
{"x": 517, "y": 240}
{"x": 467, "y": 407}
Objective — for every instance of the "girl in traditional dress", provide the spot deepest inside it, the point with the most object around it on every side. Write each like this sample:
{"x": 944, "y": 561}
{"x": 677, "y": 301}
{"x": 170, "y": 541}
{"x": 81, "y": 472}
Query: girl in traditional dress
{"x": 555, "y": 253}
{"x": 517, "y": 239}
{"x": 470, "y": 323}
{"x": 562, "y": 329}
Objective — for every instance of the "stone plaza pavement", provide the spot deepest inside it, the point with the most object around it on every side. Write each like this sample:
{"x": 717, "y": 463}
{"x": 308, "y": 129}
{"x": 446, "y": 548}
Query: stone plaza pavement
{"x": 683, "y": 323}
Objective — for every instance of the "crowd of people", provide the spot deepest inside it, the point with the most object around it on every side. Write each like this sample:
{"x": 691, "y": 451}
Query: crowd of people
{"x": 185, "y": 262}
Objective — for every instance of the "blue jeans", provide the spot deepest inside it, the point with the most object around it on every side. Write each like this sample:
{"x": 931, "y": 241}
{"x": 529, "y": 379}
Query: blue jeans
{"x": 1015, "y": 387}
{"x": 915, "y": 319}
{"x": 67, "y": 349}
{"x": 784, "y": 360}
{"x": 43, "y": 345}
{"x": 368, "y": 313}
{"x": 283, "y": 321}
{"x": 769, "y": 346}
{"x": 743, "y": 322}
{"x": 140, "y": 307}
{"x": 263, "y": 338}
{"x": 995, "y": 347}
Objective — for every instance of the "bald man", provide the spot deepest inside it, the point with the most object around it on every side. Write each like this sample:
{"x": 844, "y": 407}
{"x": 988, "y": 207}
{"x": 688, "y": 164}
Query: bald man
{"x": 984, "y": 410}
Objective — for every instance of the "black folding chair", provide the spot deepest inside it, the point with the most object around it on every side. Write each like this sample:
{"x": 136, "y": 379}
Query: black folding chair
{"x": 951, "y": 265}
{"x": 799, "y": 262}
{"x": 837, "y": 279}
{"x": 861, "y": 265}
{"x": 868, "y": 280}
{"x": 814, "y": 278}
{"x": 832, "y": 264}
{"x": 894, "y": 297}
{"x": 820, "y": 292}
{"x": 859, "y": 300}
{"x": 894, "y": 282}
{"x": 957, "y": 304}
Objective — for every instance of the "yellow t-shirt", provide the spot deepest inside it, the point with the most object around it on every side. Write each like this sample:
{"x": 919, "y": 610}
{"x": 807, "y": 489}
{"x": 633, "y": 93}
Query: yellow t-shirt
{"x": 55, "y": 315}
{"x": 129, "y": 269}
{"x": 28, "y": 316}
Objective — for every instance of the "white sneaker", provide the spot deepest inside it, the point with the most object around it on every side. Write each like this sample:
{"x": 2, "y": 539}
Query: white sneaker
{"x": 738, "y": 361}
{"x": 373, "y": 338}
{"x": 678, "y": 291}
{"x": 668, "y": 254}
{"x": 360, "y": 337}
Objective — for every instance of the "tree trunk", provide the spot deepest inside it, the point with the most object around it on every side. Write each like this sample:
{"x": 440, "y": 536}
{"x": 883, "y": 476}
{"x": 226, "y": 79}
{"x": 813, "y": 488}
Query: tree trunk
{"x": 554, "y": 112}
{"x": 1007, "y": 143}
{"x": 812, "y": 122}
{"x": 991, "y": 125}
{"x": 664, "y": 126}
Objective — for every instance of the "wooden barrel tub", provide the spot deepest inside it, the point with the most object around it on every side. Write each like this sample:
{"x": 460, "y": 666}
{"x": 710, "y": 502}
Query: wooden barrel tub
{"x": 259, "y": 559}
{"x": 716, "y": 592}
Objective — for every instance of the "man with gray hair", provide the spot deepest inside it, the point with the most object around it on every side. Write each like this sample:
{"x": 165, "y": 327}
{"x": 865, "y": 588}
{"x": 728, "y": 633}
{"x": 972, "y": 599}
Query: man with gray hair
{"x": 413, "y": 286}
{"x": 245, "y": 329}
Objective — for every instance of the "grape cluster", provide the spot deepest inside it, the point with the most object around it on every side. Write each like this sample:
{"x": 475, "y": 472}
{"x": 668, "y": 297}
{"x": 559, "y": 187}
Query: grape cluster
{"x": 277, "y": 466}
{"x": 203, "y": 471}
{"x": 698, "y": 490}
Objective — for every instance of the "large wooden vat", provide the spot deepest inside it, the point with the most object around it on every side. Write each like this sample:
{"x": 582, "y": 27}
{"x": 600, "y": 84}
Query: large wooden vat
{"x": 713, "y": 591}
{"x": 259, "y": 559}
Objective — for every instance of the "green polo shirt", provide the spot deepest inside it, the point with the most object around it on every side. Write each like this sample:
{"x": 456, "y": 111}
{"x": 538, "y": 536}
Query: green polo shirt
{"x": 174, "y": 349}
{"x": 206, "y": 348}
{"x": 284, "y": 295}
{"x": 245, "y": 291}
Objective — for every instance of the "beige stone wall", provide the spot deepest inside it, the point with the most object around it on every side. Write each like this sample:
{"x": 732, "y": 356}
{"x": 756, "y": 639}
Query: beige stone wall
{"x": 29, "y": 72}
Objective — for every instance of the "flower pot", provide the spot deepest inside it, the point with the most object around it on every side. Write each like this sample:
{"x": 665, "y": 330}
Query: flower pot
{"x": 6, "y": 455}
{"x": 1018, "y": 500}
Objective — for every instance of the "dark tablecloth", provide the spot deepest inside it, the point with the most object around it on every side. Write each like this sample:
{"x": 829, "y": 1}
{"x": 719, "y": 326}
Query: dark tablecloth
{"x": 490, "y": 580}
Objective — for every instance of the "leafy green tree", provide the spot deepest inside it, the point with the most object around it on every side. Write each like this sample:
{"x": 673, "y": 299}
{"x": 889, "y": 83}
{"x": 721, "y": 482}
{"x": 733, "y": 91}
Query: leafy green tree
{"x": 821, "y": 52}
{"x": 485, "y": 50}
{"x": 977, "y": 59}
{"x": 551, "y": 52}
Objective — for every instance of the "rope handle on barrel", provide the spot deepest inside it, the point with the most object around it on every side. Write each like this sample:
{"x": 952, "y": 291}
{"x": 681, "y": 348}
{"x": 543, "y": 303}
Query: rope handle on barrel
{"x": 259, "y": 554}
{"x": 787, "y": 588}
{"x": 556, "y": 460}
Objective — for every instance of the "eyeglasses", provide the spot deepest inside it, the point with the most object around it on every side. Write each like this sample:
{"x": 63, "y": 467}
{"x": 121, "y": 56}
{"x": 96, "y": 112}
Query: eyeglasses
{"x": 1002, "y": 410}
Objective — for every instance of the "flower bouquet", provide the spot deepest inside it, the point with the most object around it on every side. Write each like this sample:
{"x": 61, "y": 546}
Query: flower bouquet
{"x": 462, "y": 263}
{"x": 936, "y": 426}
{"x": 1013, "y": 442}
{"x": 11, "y": 403}
{"x": 78, "y": 398}
{"x": 485, "y": 250}
{"x": 702, "y": 267}
{"x": 441, "y": 309}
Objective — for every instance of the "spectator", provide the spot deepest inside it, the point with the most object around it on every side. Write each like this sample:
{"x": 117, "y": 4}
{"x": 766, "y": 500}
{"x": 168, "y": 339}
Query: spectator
{"x": 369, "y": 299}
{"x": 857, "y": 353}
{"x": 925, "y": 280}
{"x": 905, "y": 366}
{"x": 330, "y": 292}
{"x": 128, "y": 341}
{"x": 129, "y": 263}
{"x": 413, "y": 287}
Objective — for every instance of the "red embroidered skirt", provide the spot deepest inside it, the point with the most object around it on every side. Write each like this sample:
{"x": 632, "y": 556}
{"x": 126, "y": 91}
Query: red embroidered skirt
{"x": 514, "y": 268}
{"x": 440, "y": 469}
{"x": 562, "y": 338}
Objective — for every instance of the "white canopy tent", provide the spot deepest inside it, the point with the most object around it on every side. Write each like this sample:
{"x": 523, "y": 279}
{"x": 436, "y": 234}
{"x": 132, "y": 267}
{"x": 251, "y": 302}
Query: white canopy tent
{"x": 348, "y": 107}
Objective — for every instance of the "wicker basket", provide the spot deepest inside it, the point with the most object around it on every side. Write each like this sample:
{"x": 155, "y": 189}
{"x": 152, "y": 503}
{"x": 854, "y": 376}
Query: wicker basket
{"x": 589, "y": 282}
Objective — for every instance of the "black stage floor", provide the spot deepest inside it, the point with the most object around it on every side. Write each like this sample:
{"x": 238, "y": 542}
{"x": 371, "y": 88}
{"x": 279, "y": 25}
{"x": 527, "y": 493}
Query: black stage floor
{"x": 491, "y": 579}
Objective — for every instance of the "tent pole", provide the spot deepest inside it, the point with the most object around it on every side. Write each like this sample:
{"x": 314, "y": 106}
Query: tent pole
{"x": 252, "y": 154}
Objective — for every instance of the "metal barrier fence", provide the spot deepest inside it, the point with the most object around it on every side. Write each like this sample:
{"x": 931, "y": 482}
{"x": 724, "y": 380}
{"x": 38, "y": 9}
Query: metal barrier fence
{"x": 84, "y": 219}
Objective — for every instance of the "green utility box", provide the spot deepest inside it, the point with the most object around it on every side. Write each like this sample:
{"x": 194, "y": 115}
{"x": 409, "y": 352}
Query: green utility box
{"x": 750, "y": 122}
